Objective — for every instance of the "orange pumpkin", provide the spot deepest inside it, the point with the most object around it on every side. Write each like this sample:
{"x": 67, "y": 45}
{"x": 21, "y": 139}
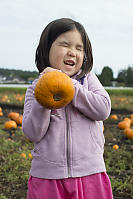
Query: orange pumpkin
{"x": 23, "y": 155}
{"x": 54, "y": 90}
{"x": 131, "y": 115}
{"x": 127, "y": 119}
{"x": 131, "y": 121}
{"x": 129, "y": 134}
{"x": 126, "y": 131}
{"x": 30, "y": 155}
{"x": 114, "y": 117}
{"x": 0, "y": 109}
{"x": 1, "y": 113}
{"x": 13, "y": 115}
{"x": 103, "y": 128}
{"x": 19, "y": 119}
{"x": 4, "y": 98}
{"x": 10, "y": 124}
{"x": 123, "y": 124}
{"x": 116, "y": 147}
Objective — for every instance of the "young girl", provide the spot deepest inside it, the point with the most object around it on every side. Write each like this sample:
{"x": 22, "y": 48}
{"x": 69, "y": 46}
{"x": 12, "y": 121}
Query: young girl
{"x": 68, "y": 142}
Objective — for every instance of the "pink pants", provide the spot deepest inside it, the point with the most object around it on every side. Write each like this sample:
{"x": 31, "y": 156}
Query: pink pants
{"x": 96, "y": 186}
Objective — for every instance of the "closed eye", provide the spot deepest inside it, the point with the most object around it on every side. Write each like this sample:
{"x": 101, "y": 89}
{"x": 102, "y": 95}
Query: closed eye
{"x": 79, "y": 47}
{"x": 65, "y": 44}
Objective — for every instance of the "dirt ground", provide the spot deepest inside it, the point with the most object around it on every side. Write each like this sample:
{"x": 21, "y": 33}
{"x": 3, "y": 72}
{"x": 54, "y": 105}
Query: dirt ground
{"x": 113, "y": 135}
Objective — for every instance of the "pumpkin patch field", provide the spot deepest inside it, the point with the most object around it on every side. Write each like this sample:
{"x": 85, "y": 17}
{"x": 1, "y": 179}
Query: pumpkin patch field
{"x": 15, "y": 148}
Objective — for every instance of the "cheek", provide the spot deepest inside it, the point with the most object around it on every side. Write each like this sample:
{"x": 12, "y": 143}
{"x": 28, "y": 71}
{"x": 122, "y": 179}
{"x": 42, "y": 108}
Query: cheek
{"x": 80, "y": 59}
{"x": 55, "y": 60}
{"x": 58, "y": 57}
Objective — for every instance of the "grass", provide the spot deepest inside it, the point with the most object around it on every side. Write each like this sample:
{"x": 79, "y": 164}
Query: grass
{"x": 12, "y": 96}
{"x": 14, "y": 169}
{"x": 8, "y": 90}
{"x": 122, "y": 102}
{"x": 119, "y": 163}
{"x": 120, "y": 92}
{"x": 120, "y": 99}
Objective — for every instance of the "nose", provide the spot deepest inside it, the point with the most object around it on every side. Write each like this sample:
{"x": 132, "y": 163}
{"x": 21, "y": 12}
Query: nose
{"x": 71, "y": 53}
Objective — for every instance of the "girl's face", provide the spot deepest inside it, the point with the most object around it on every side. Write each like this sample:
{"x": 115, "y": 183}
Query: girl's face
{"x": 67, "y": 52}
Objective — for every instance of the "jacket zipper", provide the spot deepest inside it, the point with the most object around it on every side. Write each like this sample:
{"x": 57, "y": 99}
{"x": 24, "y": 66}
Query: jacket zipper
{"x": 68, "y": 144}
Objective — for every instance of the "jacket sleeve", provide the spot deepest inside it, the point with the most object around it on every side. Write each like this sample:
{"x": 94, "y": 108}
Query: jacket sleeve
{"x": 36, "y": 118}
{"x": 94, "y": 102}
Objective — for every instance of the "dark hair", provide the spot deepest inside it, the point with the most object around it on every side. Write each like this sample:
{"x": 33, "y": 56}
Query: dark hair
{"x": 49, "y": 35}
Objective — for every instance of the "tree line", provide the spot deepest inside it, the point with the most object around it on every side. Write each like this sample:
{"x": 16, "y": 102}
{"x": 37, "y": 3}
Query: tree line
{"x": 10, "y": 74}
{"x": 124, "y": 77}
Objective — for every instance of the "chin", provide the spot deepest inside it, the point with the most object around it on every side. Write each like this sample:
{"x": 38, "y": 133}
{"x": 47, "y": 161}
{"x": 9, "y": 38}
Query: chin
{"x": 69, "y": 74}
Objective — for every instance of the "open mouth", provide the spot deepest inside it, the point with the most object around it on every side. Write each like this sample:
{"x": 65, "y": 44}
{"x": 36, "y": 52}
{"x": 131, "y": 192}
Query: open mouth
{"x": 69, "y": 62}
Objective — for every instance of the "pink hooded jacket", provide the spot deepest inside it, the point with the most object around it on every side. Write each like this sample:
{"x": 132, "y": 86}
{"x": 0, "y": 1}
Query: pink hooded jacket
{"x": 68, "y": 142}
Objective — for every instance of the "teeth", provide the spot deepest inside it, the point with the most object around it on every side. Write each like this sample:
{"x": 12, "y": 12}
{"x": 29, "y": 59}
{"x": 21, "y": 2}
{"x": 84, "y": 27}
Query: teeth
{"x": 71, "y": 63}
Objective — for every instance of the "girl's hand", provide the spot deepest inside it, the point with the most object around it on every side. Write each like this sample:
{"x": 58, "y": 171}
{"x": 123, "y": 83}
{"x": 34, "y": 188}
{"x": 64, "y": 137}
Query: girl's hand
{"x": 48, "y": 69}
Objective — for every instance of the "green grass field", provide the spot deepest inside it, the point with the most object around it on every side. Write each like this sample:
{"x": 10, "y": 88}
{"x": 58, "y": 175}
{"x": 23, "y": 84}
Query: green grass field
{"x": 14, "y": 169}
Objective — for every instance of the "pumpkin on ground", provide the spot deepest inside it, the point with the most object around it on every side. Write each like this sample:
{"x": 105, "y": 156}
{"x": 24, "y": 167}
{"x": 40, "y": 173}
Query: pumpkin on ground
{"x": 13, "y": 115}
{"x": 131, "y": 115}
{"x": 30, "y": 155}
{"x": 1, "y": 113}
{"x": 4, "y": 98}
{"x": 123, "y": 124}
{"x": 127, "y": 119}
{"x": 103, "y": 128}
{"x": 19, "y": 119}
{"x": 23, "y": 155}
{"x": 10, "y": 124}
{"x": 114, "y": 117}
{"x": 116, "y": 147}
{"x": 54, "y": 90}
{"x": 132, "y": 121}
{"x": 129, "y": 133}
{"x": 126, "y": 131}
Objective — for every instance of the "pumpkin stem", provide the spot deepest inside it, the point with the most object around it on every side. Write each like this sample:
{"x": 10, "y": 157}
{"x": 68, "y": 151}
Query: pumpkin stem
{"x": 57, "y": 97}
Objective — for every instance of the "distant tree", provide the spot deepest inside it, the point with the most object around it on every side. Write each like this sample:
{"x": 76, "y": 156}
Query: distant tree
{"x": 125, "y": 77}
{"x": 129, "y": 80}
{"x": 122, "y": 76}
{"x": 106, "y": 76}
{"x": 27, "y": 74}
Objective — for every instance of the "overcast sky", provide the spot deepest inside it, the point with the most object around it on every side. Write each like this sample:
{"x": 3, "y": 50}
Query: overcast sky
{"x": 109, "y": 24}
